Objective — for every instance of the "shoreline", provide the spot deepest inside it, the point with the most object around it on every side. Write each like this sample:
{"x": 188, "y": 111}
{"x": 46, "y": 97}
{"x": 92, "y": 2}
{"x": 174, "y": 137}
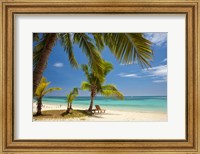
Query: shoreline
{"x": 109, "y": 115}
{"x": 53, "y": 105}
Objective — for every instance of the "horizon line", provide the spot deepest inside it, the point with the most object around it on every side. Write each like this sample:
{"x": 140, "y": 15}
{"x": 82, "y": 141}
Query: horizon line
{"x": 104, "y": 96}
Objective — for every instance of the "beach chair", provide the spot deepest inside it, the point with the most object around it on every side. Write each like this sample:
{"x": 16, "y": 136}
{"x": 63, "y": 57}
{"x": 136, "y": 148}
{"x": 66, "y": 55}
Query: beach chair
{"x": 99, "y": 109}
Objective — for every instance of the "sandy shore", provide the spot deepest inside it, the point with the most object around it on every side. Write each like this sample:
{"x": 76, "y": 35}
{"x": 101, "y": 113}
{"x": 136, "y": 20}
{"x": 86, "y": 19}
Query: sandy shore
{"x": 109, "y": 115}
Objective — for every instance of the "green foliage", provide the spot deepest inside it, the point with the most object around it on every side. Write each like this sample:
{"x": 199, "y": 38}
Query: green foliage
{"x": 72, "y": 95}
{"x": 67, "y": 44}
{"x": 85, "y": 85}
{"x": 42, "y": 88}
{"x": 36, "y": 37}
{"x": 90, "y": 50}
{"x": 126, "y": 47}
{"x": 99, "y": 40}
{"x": 129, "y": 47}
{"x": 95, "y": 84}
{"x": 38, "y": 49}
{"x": 111, "y": 90}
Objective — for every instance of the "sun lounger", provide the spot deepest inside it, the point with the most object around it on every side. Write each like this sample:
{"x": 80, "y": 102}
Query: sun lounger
{"x": 98, "y": 109}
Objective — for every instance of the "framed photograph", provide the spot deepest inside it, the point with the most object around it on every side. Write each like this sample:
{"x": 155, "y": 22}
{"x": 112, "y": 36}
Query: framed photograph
{"x": 99, "y": 76}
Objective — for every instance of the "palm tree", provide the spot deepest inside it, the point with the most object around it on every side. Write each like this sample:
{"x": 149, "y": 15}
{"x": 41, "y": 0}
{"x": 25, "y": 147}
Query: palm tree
{"x": 44, "y": 46}
{"x": 94, "y": 84}
{"x": 41, "y": 91}
{"x": 126, "y": 47}
{"x": 72, "y": 95}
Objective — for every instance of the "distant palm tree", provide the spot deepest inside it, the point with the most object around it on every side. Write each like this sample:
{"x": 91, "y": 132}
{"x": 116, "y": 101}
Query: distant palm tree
{"x": 41, "y": 91}
{"x": 126, "y": 47}
{"x": 94, "y": 84}
{"x": 72, "y": 95}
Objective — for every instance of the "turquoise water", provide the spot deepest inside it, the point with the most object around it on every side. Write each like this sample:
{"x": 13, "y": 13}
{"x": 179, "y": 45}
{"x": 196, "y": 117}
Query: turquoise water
{"x": 130, "y": 103}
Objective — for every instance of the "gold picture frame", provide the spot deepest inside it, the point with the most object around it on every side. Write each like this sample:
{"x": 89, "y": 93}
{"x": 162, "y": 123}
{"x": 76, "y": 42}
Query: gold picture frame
{"x": 9, "y": 8}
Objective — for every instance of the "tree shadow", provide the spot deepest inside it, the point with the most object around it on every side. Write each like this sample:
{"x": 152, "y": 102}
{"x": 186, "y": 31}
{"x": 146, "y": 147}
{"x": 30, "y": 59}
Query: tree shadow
{"x": 42, "y": 115}
{"x": 77, "y": 112}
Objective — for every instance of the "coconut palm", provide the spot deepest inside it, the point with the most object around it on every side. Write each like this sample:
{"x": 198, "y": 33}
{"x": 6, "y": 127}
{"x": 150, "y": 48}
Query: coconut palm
{"x": 95, "y": 84}
{"x": 41, "y": 91}
{"x": 129, "y": 47}
{"x": 44, "y": 47}
{"x": 72, "y": 95}
{"x": 126, "y": 47}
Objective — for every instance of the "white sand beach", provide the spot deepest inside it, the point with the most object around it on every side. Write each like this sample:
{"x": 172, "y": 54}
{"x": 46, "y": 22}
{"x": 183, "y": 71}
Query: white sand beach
{"x": 109, "y": 115}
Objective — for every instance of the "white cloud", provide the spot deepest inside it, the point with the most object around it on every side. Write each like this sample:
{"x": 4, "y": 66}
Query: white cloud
{"x": 132, "y": 75}
{"x": 158, "y": 72}
{"x": 156, "y": 38}
{"x": 159, "y": 81}
{"x": 164, "y": 60}
{"x": 130, "y": 63}
{"x": 58, "y": 64}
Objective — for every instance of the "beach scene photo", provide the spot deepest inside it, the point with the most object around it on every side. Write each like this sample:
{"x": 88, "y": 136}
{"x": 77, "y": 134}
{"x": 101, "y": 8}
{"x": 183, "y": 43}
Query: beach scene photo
{"x": 100, "y": 77}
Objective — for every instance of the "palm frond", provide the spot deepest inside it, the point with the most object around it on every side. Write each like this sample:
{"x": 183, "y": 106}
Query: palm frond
{"x": 38, "y": 48}
{"x": 110, "y": 42}
{"x": 41, "y": 87}
{"x": 129, "y": 47}
{"x": 50, "y": 90}
{"x": 93, "y": 55}
{"x": 107, "y": 67}
{"x": 43, "y": 80}
{"x": 85, "y": 86}
{"x": 67, "y": 44}
{"x": 75, "y": 91}
{"x": 72, "y": 95}
{"x": 36, "y": 37}
{"x": 69, "y": 98}
{"x": 99, "y": 40}
{"x": 111, "y": 90}
{"x": 86, "y": 71}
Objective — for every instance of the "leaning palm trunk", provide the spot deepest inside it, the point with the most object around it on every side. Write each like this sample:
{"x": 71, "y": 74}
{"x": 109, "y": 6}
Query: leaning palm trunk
{"x": 39, "y": 106}
{"x": 92, "y": 101}
{"x": 39, "y": 69}
{"x": 68, "y": 107}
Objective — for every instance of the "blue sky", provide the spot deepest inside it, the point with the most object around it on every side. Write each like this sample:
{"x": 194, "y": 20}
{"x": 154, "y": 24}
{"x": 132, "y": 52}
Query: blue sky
{"x": 130, "y": 79}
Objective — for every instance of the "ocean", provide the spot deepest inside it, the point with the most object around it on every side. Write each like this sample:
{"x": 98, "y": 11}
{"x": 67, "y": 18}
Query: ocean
{"x": 130, "y": 103}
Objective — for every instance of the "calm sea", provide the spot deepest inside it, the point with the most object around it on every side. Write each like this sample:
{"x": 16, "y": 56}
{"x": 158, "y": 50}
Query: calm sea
{"x": 130, "y": 103}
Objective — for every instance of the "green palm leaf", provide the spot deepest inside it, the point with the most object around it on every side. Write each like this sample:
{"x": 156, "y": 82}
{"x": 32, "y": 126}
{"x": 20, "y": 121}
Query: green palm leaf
{"x": 36, "y": 37}
{"x": 75, "y": 91}
{"x": 94, "y": 57}
{"x": 72, "y": 95}
{"x": 38, "y": 49}
{"x": 50, "y": 90}
{"x": 85, "y": 86}
{"x": 111, "y": 90}
{"x": 99, "y": 40}
{"x": 107, "y": 67}
{"x": 67, "y": 44}
{"x": 41, "y": 89}
{"x": 129, "y": 47}
{"x": 86, "y": 71}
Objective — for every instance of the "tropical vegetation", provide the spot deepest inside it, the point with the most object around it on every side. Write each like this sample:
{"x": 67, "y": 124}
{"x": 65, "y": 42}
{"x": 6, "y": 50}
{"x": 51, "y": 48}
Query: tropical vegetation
{"x": 126, "y": 47}
{"x": 70, "y": 97}
{"x": 42, "y": 90}
{"x": 95, "y": 85}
